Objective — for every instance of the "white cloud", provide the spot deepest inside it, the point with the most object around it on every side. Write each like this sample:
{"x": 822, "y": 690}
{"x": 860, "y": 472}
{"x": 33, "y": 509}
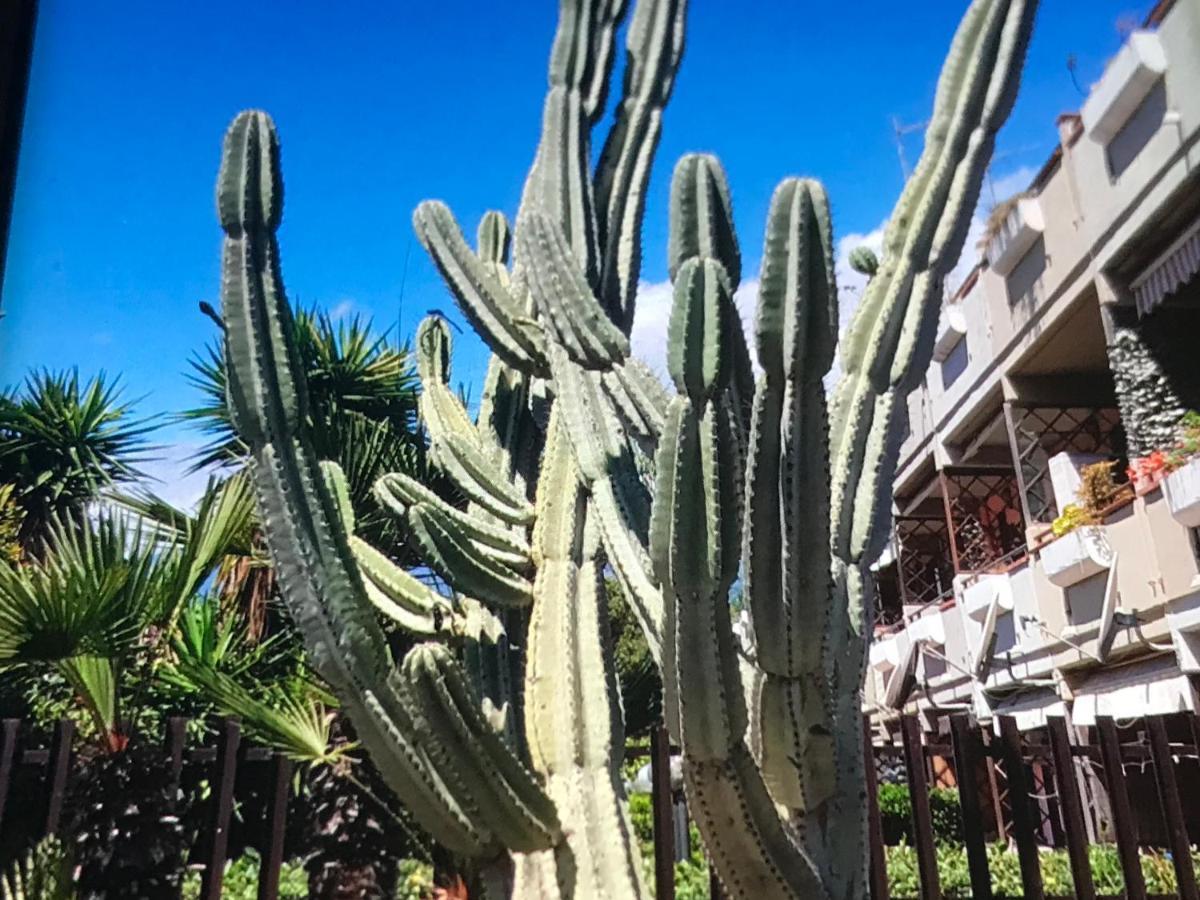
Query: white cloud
{"x": 653, "y": 314}
{"x": 649, "y": 335}
{"x": 168, "y": 477}
{"x": 341, "y": 309}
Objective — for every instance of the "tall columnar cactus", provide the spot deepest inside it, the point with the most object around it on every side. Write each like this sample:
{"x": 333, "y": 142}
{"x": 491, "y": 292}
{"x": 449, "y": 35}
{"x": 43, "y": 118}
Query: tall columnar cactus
{"x": 503, "y": 730}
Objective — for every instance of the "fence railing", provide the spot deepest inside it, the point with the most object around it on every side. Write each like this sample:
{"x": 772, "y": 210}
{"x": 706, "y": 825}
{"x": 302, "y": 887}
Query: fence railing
{"x": 1033, "y": 789}
{"x": 49, "y": 769}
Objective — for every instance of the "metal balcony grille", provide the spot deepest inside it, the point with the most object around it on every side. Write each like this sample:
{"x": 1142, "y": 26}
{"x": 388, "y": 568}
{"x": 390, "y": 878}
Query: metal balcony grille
{"x": 1039, "y": 432}
{"x": 924, "y": 556}
{"x": 983, "y": 506}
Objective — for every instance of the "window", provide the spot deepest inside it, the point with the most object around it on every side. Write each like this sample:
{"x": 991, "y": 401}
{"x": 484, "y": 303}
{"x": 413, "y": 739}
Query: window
{"x": 955, "y": 363}
{"x": 1024, "y": 282}
{"x": 1136, "y": 133}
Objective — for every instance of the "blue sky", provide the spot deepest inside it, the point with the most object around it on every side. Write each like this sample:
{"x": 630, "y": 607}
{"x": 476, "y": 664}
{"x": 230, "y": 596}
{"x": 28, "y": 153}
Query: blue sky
{"x": 380, "y": 105}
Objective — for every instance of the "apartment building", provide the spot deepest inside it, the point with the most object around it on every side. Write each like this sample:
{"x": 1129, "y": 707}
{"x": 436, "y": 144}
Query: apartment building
{"x": 1076, "y": 340}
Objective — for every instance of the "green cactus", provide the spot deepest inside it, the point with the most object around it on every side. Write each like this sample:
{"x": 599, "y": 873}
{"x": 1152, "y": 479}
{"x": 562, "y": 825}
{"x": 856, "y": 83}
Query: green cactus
{"x": 503, "y": 731}
{"x": 864, "y": 261}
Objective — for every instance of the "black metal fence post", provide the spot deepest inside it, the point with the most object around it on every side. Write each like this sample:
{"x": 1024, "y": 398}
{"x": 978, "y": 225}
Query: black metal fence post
{"x": 1072, "y": 807}
{"x": 1123, "y": 819}
{"x": 967, "y": 756}
{"x": 1024, "y": 817}
{"x": 228, "y": 742}
{"x": 664, "y": 813}
{"x": 922, "y": 819}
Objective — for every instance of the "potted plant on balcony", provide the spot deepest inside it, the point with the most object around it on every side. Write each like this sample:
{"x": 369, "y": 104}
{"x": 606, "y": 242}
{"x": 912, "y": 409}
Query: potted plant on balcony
{"x": 1181, "y": 486}
{"x": 1080, "y": 548}
{"x": 1147, "y": 472}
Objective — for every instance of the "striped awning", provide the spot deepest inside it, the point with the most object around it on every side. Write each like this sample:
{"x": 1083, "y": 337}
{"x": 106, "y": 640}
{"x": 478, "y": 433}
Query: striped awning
{"x": 1167, "y": 274}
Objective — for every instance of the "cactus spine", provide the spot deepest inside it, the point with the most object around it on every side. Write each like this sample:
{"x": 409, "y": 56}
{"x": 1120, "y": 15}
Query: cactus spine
{"x": 504, "y": 732}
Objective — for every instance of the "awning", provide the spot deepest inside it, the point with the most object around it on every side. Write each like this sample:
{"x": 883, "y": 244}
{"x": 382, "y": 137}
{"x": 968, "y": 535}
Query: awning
{"x": 1167, "y": 274}
{"x": 1152, "y": 688}
{"x": 1031, "y": 707}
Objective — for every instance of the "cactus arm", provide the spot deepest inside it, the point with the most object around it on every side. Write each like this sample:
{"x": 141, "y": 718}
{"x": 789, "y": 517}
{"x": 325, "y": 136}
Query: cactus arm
{"x": 409, "y": 603}
{"x": 595, "y": 96}
{"x": 558, "y": 183}
{"x": 701, "y": 228}
{"x": 885, "y": 351}
{"x": 572, "y": 706}
{"x": 459, "y": 448}
{"x": 694, "y": 545}
{"x": 563, "y": 296}
{"x": 398, "y": 492}
{"x": 313, "y": 560}
{"x": 448, "y": 721}
{"x": 482, "y": 296}
{"x": 889, "y": 341}
{"x": 786, "y": 547}
{"x": 619, "y": 503}
{"x": 701, "y": 217}
{"x": 654, "y": 48}
{"x": 449, "y": 553}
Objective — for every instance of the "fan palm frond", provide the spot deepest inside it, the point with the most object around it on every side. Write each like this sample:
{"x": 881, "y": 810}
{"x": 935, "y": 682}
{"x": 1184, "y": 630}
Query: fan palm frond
{"x": 93, "y": 594}
{"x": 43, "y": 874}
{"x": 294, "y": 718}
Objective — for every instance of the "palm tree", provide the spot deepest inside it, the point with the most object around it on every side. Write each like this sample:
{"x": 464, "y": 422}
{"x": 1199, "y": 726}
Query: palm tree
{"x": 362, "y": 398}
{"x": 95, "y": 612}
{"x": 61, "y": 443}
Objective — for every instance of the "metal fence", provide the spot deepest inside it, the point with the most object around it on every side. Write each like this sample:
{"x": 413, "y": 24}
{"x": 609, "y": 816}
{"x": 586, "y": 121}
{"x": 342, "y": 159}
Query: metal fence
{"x": 1031, "y": 788}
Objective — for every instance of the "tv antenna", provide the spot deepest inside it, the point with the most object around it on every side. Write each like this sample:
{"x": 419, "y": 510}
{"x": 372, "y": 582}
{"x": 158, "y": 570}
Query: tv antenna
{"x": 899, "y": 131}
{"x": 400, "y": 300}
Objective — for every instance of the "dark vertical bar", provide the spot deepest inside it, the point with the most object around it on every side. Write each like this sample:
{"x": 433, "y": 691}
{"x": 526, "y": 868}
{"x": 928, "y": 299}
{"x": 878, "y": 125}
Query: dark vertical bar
{"x": 8, "y": 750}
{"x": 914, "y": 762}
{"x": 945, "y": 485}
{"x": 879, "y": 884}
{"x": 1024, "y": 816}
{"x": 1122, "y": 813}
{"x": 1118, "y": 798}
{"x": 222, "y": 809}
{"x": 1168, "y": 795}
{"x": 1014, "y": 446}
{"x": 967, "y": 756}
{"x": 272, "y": 861}
{"x": 715, "y": 891}
{"x": 664, "y": 813}
{"x": 58, "y": 767}
{"x": 17, "y": 19}
{"x": 174, "y": 741}
{"x": 988, "y": 738}
{"x": 1072, "y": 808}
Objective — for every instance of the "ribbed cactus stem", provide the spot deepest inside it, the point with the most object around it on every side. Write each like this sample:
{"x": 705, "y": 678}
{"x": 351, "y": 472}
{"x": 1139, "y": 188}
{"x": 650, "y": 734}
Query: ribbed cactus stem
{"x": 572, "y": 703}
{"x": 581, "y": 463}
{"x": 318, "y": 575}
{"x": 786, "y": 549}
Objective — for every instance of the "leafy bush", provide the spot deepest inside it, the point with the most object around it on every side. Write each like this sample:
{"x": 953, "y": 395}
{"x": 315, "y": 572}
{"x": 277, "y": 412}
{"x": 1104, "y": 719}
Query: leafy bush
{"x": 691, "y": 875}
{"x": 1005, "y": 868}
{"x": 241, "y": 880}
{"x": 895, "y": 809}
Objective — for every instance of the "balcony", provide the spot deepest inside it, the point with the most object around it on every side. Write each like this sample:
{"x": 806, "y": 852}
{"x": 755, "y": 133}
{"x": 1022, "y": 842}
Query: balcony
{"x": 1129, "y": 78}
{"x": 1014, "y": 235}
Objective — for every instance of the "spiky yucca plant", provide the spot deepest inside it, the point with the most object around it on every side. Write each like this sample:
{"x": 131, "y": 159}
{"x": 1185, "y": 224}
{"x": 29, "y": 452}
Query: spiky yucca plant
{"x": 502, "y": 732}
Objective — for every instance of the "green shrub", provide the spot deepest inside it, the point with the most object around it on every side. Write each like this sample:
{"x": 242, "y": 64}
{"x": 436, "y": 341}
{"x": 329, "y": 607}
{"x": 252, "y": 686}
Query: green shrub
{"x": 241, "y": 880}
{"x": 895, "y": 810}
{"x": 415, "y": 881}
{"x": 1005, "y": 869}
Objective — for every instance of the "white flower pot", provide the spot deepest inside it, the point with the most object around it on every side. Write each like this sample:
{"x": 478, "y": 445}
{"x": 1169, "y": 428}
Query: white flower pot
{"x": 1182, "y": 490}
{"x": 1077, "y": 555}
